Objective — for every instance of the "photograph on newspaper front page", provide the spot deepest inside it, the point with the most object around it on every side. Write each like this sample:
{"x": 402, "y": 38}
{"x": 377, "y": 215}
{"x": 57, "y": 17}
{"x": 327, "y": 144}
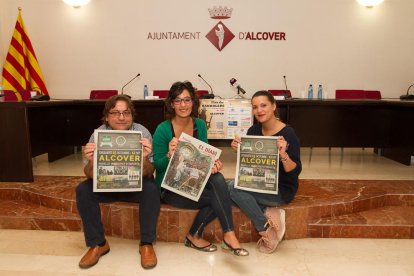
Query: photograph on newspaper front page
{"x": 190, "y": 167}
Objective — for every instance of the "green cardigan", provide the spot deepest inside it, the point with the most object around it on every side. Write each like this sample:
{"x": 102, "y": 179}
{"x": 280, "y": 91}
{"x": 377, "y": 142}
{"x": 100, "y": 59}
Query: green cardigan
{"x": 160, "y": 141}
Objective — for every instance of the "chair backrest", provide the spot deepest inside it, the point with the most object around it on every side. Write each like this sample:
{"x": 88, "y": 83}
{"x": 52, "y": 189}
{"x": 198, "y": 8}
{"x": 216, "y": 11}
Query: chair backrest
{"x": 11, "y": 96}
{"x": 349, "y": 94}
{"x": 162, "y": 94}
{"x": 280, "y": 92}
{"x": 102, "y": 94}
{"x": 373, "y": 94}
{"x": 201, "y": 92}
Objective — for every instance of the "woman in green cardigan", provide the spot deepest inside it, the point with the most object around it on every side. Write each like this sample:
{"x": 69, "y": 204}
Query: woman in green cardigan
{"x": 181, "y": 107}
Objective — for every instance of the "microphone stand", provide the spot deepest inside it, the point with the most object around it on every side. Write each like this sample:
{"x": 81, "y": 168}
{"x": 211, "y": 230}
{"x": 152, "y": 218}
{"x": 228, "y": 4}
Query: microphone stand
{"x": 122, "y": 90}
{"x": 286, "y": 89}
{"x": 239, "y": 93}
{"x": 407, "y": 96}
{"x": 284, "y": 77}
{"x": 210, "y": 95}
{"x": 40, "y": 96}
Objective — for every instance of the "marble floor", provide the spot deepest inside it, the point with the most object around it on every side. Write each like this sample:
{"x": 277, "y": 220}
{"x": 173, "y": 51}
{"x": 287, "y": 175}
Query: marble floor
{"x": 25, "y": 252}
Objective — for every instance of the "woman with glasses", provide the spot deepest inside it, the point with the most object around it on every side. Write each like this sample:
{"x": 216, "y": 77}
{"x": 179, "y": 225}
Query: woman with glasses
{"x": 181, "y": 107}
{"x": 118, "y": 114}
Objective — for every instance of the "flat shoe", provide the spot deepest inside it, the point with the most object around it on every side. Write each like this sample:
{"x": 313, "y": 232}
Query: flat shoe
{"x": 236, "y": 251}
{"x": 207, "y": 248}
{"x": 148, "y": 257}
{"x": 91, "y": 257}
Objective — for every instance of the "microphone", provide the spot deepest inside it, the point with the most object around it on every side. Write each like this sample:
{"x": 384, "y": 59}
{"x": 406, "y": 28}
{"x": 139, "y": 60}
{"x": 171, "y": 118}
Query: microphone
{"x": 234, "y": 83}
{"x": 122, "y": 90}
{"x": 208, "y": 96}
{"x": 407, "y": 96}
{"x": 286, "y": 89}
{"x": 40, "y": 96}
{"x": 284, "y": 77}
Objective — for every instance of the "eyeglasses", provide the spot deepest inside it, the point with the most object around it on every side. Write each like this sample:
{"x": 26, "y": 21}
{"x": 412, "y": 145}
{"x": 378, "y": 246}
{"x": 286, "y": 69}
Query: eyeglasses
{"x": 185, "y": 100}
{"x": 117, "y": 113}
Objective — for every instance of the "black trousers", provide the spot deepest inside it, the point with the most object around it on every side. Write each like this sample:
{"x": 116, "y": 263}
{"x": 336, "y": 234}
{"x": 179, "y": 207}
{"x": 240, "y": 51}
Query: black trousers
{"x": 87, "y": 203}
{"x": 214, "y": 203}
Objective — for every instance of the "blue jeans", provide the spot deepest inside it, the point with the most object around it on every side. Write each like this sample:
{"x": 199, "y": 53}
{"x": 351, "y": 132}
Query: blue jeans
{"x": 214, "y": 202}
{"x": 87, "y": 203}
{"x": 254, "y": 204}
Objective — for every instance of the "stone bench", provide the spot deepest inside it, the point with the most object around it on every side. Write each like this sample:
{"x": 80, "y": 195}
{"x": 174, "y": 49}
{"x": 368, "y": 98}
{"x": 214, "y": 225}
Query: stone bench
{"x": 322, "y": 208}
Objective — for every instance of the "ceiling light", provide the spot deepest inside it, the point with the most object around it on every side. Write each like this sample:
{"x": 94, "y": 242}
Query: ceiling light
{"x": 370, "y": 3}
{"x": 76, "y": 3}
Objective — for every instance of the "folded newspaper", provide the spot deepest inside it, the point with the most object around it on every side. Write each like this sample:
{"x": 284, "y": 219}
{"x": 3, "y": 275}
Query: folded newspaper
{"x": 117, "y": 161}
{"x": 257, "y": 164}
{"x": 190, "y": 167}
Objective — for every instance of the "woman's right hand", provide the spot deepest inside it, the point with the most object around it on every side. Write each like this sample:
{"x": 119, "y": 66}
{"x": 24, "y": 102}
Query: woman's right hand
{"x": 235, "y": 143}
{"x": 88, "y": 151}
{"x": 172, "y": 146}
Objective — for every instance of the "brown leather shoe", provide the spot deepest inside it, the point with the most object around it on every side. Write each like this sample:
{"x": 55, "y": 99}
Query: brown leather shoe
{"x": 148, "y": 257}
{"x": 91, "y": 257}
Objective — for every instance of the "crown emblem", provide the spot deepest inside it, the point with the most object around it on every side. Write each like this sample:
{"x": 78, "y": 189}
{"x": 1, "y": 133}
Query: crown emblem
{"x": 220, "y": 12}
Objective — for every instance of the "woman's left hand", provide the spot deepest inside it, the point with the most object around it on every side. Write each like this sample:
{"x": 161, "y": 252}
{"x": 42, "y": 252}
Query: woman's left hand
{"x": 281, "y": 144}
{"x": 217, "y": 166}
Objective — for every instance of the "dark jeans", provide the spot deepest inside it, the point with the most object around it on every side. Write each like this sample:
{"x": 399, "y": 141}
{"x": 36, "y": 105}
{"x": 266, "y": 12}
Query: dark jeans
{"x": 87, "y": 203}
{"x": 214, "y": 202}
{"x": 254, "y": 204}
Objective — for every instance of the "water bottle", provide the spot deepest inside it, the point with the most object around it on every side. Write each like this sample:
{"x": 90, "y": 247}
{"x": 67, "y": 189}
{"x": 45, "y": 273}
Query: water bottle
{"x": 310, "y": 92}
{"x": 320, "y": 92}
{"x": 145, "y": 91}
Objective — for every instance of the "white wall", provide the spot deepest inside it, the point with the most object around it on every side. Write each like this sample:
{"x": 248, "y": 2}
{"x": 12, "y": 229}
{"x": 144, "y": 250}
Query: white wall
{"x": 334, "y": 42}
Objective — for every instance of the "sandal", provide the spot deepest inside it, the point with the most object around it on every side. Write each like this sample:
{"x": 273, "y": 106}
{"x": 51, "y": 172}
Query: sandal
{"x": 235, "y": 251}
{"x": 207, "y": 248}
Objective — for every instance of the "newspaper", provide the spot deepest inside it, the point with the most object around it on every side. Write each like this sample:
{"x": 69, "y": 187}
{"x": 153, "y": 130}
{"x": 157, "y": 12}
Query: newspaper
{"x": 257, "y": 164}
{"x": 117, "y": 161}
{"x": 190, "y": 167}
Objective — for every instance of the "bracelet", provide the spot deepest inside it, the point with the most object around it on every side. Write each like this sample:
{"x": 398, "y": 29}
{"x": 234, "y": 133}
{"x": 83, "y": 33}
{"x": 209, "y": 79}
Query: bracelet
{"x": 284, "y": 159}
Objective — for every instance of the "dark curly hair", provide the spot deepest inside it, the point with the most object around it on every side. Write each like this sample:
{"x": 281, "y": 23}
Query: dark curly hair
{"x": 176, "y": 89}
{"x": 111, "y": 102}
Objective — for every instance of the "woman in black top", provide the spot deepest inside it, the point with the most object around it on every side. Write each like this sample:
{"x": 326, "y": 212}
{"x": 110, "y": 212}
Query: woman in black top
{"x": 270, "y": 222}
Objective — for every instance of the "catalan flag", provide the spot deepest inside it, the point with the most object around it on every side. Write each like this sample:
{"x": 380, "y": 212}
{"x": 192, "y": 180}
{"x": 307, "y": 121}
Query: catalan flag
{"x": 21, "y": 70}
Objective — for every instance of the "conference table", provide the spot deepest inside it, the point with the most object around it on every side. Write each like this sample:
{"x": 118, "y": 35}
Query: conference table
{"x": 29, "y": 129}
